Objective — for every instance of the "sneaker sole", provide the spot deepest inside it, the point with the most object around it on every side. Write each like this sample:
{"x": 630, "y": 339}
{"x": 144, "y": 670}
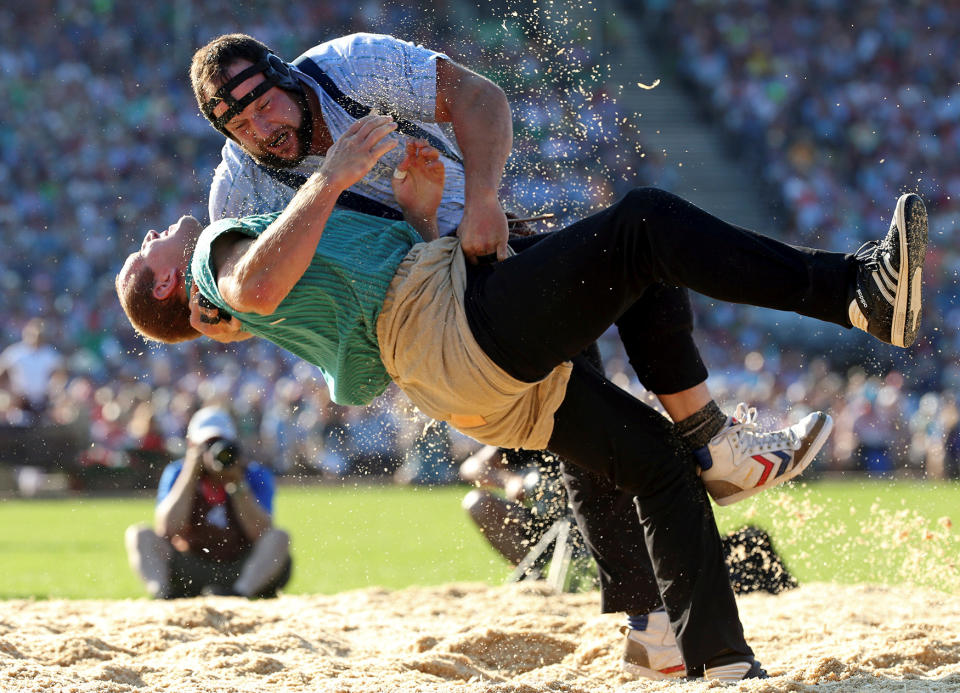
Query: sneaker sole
{"x": 736, "y": 672}
{"x": 637, "y": 671}
{"x": 911, "y": 220}
{"x": 806, "y": 457}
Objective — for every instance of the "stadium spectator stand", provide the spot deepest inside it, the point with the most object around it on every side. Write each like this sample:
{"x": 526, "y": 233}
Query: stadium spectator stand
{"x": 846, "y": 106}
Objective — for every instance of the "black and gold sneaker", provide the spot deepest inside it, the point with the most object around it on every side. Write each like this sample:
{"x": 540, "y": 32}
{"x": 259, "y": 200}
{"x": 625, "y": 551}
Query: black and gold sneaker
{"x": 886, "y": 298}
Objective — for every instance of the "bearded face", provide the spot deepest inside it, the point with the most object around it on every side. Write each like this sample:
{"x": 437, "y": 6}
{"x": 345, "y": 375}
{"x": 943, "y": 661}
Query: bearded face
{"x": 288, "y": 145}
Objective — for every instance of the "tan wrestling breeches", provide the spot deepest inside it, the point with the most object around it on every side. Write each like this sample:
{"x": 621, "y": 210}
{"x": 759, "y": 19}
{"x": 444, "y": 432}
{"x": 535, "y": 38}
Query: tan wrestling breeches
{"x": 429, "y": 351}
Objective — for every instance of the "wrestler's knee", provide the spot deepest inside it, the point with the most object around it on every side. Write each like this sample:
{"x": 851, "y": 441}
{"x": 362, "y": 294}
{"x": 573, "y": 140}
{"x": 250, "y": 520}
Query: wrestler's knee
{"x": 645, "y": 201}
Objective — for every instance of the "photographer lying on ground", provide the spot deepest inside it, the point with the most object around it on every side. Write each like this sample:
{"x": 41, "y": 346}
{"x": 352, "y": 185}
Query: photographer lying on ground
{"x": 213, "y": 532}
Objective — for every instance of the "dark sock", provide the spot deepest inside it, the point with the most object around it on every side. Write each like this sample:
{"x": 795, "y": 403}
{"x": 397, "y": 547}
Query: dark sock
{"x": 640, "y": 621}
{"x": 697, "y": 429}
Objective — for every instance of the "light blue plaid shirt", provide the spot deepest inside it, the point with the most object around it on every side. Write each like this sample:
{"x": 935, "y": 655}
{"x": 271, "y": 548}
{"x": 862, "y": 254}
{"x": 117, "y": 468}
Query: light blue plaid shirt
{"x": 380, "y": 71}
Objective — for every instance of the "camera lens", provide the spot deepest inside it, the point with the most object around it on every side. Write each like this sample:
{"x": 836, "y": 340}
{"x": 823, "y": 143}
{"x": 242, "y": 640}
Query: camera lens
{"x": 224, "y": 453}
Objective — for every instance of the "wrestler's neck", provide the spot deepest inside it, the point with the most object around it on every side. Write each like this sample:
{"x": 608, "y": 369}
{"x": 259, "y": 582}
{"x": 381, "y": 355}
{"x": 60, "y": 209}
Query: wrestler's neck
{"x": 182, "y": 284}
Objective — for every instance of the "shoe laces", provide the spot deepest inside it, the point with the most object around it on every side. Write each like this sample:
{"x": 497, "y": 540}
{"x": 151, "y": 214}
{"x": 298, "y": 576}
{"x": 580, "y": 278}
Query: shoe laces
{"x": 869, "y": 255}
{"x": 748, "y": 436}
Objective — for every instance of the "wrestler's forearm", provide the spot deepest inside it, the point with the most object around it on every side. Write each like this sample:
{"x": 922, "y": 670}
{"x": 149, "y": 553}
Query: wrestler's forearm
{"x": 262, "y": 276}
{"x": 484, "y": 158}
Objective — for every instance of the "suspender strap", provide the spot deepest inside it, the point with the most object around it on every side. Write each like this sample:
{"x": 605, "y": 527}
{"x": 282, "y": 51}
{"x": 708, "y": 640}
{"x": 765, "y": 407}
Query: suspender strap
{"x": 349, "y": 200}
{"x": 358, "y": 110}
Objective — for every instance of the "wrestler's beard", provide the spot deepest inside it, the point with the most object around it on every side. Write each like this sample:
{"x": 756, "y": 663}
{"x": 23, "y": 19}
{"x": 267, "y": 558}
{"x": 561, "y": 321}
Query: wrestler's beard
{"x": 304, "y": 135}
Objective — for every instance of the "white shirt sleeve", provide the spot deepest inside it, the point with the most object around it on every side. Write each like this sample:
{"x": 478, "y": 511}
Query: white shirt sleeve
{"x": 383, "y": 71}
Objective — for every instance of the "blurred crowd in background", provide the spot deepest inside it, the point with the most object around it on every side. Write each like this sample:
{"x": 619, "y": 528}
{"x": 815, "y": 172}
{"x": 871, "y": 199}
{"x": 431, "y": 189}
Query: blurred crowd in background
{"x": 845, "y": 108}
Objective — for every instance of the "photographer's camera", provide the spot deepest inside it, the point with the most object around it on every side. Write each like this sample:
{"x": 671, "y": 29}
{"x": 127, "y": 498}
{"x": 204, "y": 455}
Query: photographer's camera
{"x": 222, "y": 454}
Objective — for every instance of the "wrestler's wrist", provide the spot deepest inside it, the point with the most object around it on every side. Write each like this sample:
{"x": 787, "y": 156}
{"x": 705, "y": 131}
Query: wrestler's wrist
{"x": 327, "y": 179}
{"x": 481, "y": 197}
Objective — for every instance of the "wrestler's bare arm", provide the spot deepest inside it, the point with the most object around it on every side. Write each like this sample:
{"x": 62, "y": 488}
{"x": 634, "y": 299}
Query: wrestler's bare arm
{"x": 480, "y": 115}
{"x": 262, "y": 275}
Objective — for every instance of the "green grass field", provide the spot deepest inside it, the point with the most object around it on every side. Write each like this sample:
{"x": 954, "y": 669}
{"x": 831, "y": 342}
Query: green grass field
{"x": 348, "y": 538}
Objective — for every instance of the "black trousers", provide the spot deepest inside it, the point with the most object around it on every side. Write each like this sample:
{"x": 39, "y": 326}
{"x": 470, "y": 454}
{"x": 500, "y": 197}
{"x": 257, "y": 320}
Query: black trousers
{"x": 657, "y": 334}
{"x": 190, "y": 573}
{"x": 608, "y": 521}
{"x": 548, "y": 303}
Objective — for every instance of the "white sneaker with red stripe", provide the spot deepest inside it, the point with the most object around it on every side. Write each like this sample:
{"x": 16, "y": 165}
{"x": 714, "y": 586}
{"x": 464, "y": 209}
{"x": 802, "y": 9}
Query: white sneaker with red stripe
{"x": 652, "y": 653}
{"x": 743, "y": 460}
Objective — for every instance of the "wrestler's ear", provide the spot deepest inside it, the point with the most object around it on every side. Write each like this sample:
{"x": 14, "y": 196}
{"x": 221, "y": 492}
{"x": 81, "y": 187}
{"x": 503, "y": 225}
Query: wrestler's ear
{"x": 165, "y": 283}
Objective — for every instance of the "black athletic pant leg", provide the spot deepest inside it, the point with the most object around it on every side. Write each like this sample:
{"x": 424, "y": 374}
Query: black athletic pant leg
{"x": 608, "y": 522}
{"x": 606, "y": 516}
{"x": 604, "y": 428}
{"x": 657, "y": 334}
{"x": 666, "y": 360}
{"x": 607, "y": 519}
{"x": 544, "y": 305}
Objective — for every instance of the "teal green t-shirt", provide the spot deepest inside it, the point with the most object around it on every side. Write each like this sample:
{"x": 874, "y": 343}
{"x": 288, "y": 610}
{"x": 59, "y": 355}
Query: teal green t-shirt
{"x": 329, "y": 318}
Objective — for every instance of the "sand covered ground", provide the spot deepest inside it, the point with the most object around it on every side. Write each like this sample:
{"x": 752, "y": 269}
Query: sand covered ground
{"x": 460, "y": 637}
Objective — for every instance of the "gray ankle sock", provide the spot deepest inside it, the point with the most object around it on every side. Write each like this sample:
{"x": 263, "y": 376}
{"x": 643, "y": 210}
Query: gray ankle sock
{"x": 697, "y": 429}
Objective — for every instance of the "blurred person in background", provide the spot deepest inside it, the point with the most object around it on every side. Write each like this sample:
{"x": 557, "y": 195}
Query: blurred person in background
{"x": 881, "y": 432}
{"x": 370, "y": 442}
{"x": 213, "y": 531}
{"x": 26, "y": 369}
{"x": 950, "y": 420}
{"x": 931, "y": 428}
{"x": 427, "y": 459}
{"x": 518, "y": 496}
